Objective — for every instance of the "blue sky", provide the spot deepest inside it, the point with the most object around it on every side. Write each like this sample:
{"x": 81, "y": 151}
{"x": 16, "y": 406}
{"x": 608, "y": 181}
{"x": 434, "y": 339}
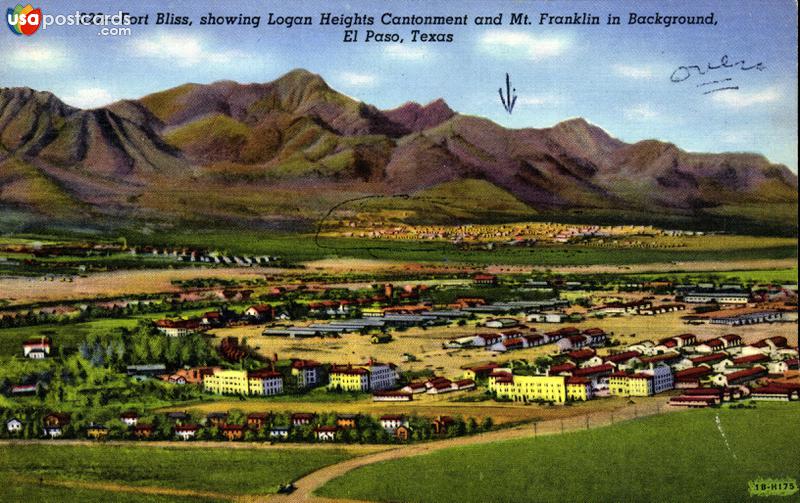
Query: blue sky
{"x": 617, "y": 77}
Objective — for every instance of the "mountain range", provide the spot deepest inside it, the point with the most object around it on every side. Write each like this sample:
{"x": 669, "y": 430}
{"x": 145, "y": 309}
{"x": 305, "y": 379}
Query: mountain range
{"x": 283, "y": 152}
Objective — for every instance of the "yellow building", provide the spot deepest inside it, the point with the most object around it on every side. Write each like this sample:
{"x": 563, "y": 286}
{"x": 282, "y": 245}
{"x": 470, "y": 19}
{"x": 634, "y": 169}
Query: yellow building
{"x": 348, "y": 378}
{"x": 242, "y": 382}
{"x": 228, "y": 382}
{"x": 579, "y": 388}
{"x": 530, "y": 388}
{"x": 621, "y": 384}
{"x": 372, "y": 312}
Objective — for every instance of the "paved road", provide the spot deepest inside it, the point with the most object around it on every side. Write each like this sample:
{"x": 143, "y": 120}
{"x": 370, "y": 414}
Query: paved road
{"x": 315, "y": 480}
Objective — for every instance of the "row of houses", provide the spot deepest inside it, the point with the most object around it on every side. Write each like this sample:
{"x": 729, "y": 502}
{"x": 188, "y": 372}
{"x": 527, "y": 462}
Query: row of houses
{"x": 565, "y": 339}
{"x": 583, "y": 374}
{"x": 55, "y": 424}
{"x": 257, "y": 313}
{"x": 202, "y": 256}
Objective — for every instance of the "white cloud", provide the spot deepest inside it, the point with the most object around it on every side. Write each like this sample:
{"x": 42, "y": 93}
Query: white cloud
{"x": 640, "y": 112}
{"x": 358, "y": 79}
{"x": 188, "y": 51}
{"x": 736, "y": 98}
{"x": 89, "y": 97}
{"x": 537, "y": 100}
{"x": 505, "y": 43}
{"x": 634, "y": 72}
{"x": 736, "y": 137}
{"x": 407, "y": 52}
{"x": 37, "y": 57}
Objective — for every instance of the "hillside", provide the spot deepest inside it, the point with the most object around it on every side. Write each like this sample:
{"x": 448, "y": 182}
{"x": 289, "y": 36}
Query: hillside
{"x": 287, "y": 149}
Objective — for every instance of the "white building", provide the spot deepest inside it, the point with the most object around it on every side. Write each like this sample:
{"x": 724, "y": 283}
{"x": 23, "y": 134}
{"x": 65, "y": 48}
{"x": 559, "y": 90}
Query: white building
{"x": 382, "y": 376}
{"x": 663, "y": 379}
{"x": 265, "y": 382}
{"x": 391, "y": 422}
{"x": 36, "y": 349}
{"x": 546, "y": 317}
{"x": 186, "y": 431}
{"x": 14, "y": 425}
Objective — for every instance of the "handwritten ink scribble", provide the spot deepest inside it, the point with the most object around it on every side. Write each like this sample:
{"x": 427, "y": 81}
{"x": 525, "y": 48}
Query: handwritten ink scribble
{"x": 722, "y": 89}
{"x": 686, "y": 72}
{"x": 508, "y": 100}
{"x": 714, "y": 82}
{"x": 683, "y": 73}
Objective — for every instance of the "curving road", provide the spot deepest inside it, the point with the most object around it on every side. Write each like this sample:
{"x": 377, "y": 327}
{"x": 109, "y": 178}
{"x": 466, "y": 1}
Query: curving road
{"x": 315, "y": 480}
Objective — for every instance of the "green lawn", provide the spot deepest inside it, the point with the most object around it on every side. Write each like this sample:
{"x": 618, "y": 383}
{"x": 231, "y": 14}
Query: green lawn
{"x": 229, "y": 471}
{"x": 302, "y": 247}
{"x": 670, "y": 458}
{"x": 781, "y": 276}
{"x": 66, "y": 336}
{"x": 29, "y": 492}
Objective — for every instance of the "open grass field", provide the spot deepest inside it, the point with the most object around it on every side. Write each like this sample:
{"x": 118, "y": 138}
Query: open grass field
{"x": 225, "y": 471}
{"x": 25, "y": 490}
{"x": 705, "y": 455}
{"x": 66, "y": 336}
{"x": 780, "y": 275}
{"x": 300, "y": 247}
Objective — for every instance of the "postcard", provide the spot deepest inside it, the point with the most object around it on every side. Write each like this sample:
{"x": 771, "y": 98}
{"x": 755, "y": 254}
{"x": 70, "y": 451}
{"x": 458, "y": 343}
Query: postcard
{"x": 399, "y": 251}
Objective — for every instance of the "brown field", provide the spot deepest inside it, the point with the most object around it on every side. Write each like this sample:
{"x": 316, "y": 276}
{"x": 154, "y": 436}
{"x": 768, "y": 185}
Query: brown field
{"x": 22, "y": 290}
{"x": 656, "y": 267}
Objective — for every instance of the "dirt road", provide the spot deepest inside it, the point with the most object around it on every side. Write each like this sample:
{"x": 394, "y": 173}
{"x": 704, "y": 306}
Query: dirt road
{"x": 315, "y": 480}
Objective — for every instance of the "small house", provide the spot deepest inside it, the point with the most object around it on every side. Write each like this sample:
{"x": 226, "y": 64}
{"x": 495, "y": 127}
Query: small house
{"x": 186, "y": 431}
{"x": 325, "y": 433}
{"x": 13, "y": 425}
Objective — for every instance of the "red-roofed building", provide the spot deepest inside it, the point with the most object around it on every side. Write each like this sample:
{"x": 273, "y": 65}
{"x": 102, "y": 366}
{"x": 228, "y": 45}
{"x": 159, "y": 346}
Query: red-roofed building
{"x": 774, "y": 393}
{"x": 667, "y": 358}
{"x": 484, "y": 279}
{"x": 581, "y": 355}
{"x": 693, "y": 402}
{"x": 750, "y": 360}
{"x": 232, "y": 431}
{"x": 325, "y": 433}
{"x": 260, "y": 312}
{"x": 731, "y": 340}
{"x": 741, "y": 376}
{"x": 563, "y": 368}
{"x": 307, "y": 372}
{"x": 178, "y": 328}
{"x": 37, "y": 348}
{"x": 691, "y": 377}
{"x": 710, "y": 346}
{"x": 622, "y": 358}
{"x": 709, "y": 359}
{"x": 302, "y": 418}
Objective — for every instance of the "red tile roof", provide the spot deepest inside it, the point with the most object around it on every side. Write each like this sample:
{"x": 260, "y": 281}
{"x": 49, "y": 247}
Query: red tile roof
{"x": 750, "y": 359}
{"x": 710, "y": 358}
{"x": 622, "y": 357}
{"x": 597, "y": 369}
{"x": 753, "y": 373}
{"x": 692, "y": 373}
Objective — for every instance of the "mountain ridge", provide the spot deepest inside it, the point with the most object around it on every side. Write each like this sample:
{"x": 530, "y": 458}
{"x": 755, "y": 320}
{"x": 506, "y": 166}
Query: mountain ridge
{"x": 297, "y": 131}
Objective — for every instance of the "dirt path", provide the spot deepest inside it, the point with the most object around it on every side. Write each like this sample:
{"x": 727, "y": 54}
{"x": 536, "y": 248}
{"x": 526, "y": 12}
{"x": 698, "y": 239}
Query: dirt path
{"x": 315, "y": 480}
{"x": 366, "y": 455}
{"x": 354, "y": 449}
